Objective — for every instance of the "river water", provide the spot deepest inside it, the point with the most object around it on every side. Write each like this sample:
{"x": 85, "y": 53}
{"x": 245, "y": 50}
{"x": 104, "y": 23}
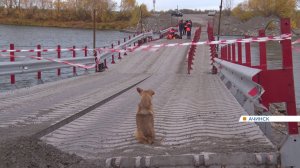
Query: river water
{"x": 27, "y": 37}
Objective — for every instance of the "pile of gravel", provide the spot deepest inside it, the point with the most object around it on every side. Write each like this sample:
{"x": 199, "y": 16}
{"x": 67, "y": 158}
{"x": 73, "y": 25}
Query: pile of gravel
{"x": 232, "y": 26}
{"x": 26, "y": 152}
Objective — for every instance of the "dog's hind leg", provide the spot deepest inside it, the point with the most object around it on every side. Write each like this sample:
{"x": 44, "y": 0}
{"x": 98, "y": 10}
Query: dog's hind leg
{"x": 140, "y": 137}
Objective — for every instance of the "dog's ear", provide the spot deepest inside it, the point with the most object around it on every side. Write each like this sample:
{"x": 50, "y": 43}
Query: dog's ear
{"x": 151, "y": 92}
{"x": 139, "y": 90}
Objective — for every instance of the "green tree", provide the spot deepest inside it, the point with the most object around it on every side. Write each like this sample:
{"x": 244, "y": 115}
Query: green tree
{"x": 137, "y": 13}
{"x": 280, "y": 8}
{"x": 242, "y": 12}
{"x": 128, "y": 5}
{"x": 285, "y": 8}
{"x": 264, "y": 8}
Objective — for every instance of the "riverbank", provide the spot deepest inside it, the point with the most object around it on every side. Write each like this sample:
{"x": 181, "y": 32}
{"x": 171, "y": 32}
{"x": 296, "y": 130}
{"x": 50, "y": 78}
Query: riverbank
{"x": 231, "y": 25}
{"x": 116, "y": 25}
{"x": 154, "y": 23}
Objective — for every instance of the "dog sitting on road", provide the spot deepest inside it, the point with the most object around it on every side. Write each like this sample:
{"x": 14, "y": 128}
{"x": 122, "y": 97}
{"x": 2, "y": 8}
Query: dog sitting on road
{"x": 145, "y": 118}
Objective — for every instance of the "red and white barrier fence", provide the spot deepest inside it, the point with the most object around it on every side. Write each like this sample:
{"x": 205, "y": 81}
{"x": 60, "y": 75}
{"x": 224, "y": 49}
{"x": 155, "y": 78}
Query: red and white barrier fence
{"x": 192, "y": 50}
{"x": 12, "y": 51}
{"x": 130, "y": 49}
{"x": 46, "y": 63}
{"x": 212, "y": 44}
{"x": 278, "y": 84}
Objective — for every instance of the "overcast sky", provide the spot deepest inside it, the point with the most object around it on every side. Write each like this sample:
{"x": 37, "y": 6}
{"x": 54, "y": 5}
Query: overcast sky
{"x": 186, "y": 4}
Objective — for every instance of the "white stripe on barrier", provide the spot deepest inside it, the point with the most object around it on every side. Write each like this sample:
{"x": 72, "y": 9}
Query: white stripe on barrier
{"x": 54, "y": 60}
{"x": 296, "y": 42}
{"x": 146, "y": 47}
{"x": 230, "y": 41}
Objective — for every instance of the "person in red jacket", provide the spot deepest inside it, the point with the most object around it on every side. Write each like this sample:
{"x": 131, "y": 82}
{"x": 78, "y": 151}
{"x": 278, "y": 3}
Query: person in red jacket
{"x": 171, "y": 34}
{"x": 185, "y": 26}
{"x": 188, "y": 30}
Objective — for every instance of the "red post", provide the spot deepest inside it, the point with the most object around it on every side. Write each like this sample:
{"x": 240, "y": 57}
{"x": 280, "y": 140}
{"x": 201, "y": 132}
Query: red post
{"x": 222, "y": 53}
{"x": 74, "y": 55}
{"x": 240, "y": 61}
{"x": 105, "y": 64}
{"x": 96, "y": 61}
{"x": 85, "y": 51}
{"x": 12, "y": 59}
{"x": 119, "y": 57}
{"x": 248, "y": 54}
{"x": 287, "y": 65}
{"x": 229, "y": 52}
{"x": 233, "y": 53}
{"x": 262, "y": 51}
{"x": 39, "y": 73}
{"x": 124, "y": 39}
{"x": 58, "y": 56}
{"x": 189, "y": 61}
{"x": 225, "y": 53}
{"x": 119, "y": 42}
{"x": 129, "y": 37}
{"x": 112, "y": 45}
{"x": 113, "y": 59}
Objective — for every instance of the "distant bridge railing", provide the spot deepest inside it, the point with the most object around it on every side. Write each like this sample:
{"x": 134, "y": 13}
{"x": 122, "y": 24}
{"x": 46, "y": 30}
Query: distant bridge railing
{"x": 165, "y": 31}
{"x": 37, "y": 63}
{"x": 278, "y": 84}
{"x": 192, "y": 49}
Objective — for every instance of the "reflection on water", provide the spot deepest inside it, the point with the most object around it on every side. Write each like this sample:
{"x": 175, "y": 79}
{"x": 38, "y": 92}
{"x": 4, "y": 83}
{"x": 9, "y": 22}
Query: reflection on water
{"x": 274, "y": 59}
{"x": 27, "y": 37}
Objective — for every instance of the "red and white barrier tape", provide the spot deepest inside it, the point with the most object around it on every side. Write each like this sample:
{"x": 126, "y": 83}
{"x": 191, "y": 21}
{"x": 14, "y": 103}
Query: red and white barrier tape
{"x": 66, "y": 62}
{"x": 55, "y": 60}
{"x": 45, "y": 50}
{"x": 296, "y": 41}
{"x": 155, "y": 47}
{"x": 145, "y": 47}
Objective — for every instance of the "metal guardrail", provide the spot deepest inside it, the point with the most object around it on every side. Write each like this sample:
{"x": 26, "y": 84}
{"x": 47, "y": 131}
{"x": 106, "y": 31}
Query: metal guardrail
{"x": 38, "y": 65}
{"x": 124, "y": 45}
{"x": 241, "y": 77}
{"x": 29, "y": 66}
{"x": 239, "y": 81}
{"x": 167, "y": 30}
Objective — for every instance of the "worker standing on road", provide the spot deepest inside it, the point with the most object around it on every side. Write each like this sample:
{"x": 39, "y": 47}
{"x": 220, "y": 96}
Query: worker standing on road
{"x": 181, "y": 27}
{"x": 185, "y": 26}
{"x": 188, "y": 30}
{"x": 191, "y": 24}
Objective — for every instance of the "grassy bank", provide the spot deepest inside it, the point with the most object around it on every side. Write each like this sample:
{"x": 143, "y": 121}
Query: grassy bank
{"x": 116, "y": 25}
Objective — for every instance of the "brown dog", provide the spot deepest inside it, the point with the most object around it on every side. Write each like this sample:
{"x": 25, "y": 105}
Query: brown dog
{"x": 145, "y": 118}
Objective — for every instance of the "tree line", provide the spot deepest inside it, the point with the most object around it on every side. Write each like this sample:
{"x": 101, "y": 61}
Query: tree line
{"x": 74, "y": 10}
{"x": 280, "y": 8}
{"x": 128, "y": 12}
